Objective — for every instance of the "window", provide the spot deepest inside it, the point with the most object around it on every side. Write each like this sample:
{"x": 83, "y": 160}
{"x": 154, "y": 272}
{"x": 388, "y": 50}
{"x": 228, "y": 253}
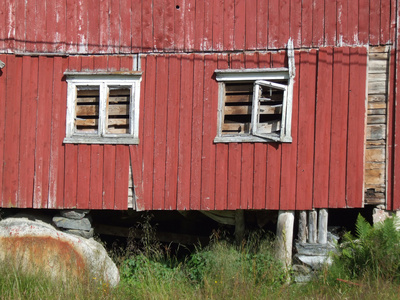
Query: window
{"x": 255, "y": 105}
{"x": 103, "y": 108}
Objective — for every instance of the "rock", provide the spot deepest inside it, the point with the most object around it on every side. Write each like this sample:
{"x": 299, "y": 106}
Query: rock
{"x": 82, "y": 224}
{"x": 302, "y": 273}
{"x": 314, "y": 249}
{"x": 74, "y": 214}
{"x": 316, "y": 262}
{"x": 35, "y": 245}
{"x": 82, "y": 233}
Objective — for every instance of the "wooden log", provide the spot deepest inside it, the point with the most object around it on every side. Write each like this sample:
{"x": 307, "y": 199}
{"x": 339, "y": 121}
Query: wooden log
{"x": 239, "y": 226}
{"x": 284, "y": 234}
{"x": 312, "y": 226}
{"x": 322, "y": 226}
{"x": 302, "y": 234}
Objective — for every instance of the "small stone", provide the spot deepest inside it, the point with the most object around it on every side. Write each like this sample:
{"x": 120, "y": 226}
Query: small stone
{"x": 316, "y": 262}
{"x": 83, "y": 233}
{"x": 74, "y": 214}
{"x": 82, "y": 224}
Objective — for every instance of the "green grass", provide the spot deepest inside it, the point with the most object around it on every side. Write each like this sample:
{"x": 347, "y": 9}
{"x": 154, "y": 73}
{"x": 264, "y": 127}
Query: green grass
{"x": 225, "y": 271}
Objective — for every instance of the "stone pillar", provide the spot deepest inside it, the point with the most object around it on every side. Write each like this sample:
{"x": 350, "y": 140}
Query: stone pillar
{"x": 284, "y": 237}
{"x": 322, "y": 226}
{"x": 312, "y": 227}
{"x": 239, "y": 226}
{"x": 302, "y": 234}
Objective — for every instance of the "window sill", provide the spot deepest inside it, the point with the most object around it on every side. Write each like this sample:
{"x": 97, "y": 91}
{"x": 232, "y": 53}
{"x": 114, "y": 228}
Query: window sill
{"x": 101, "y": 140}
{"x": 247, "y": 139}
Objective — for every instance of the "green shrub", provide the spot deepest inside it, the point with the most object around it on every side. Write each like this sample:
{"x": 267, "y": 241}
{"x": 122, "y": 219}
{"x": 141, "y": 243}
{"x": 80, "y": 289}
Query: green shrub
{"x": 373, "y": 253}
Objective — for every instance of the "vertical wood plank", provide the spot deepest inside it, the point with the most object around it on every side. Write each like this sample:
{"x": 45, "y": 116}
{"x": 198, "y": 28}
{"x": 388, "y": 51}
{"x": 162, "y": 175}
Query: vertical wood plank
{"x": 43, "y": 132}
{"x": 169, "y": 23}
{"x": 240, "y": 24}
{"x": 199, "y": 30}
{"x": 337, "y": 175}
{"x": 136, "y": 21}
{"x": 179, "y": 25}
{"x": 171, "y": 167}
{"x": 12, "y": 131}
{"x": 3, "y": 25}
{"x": 353, "y": 20}
{"x": 295, "y": 22}
{"x": 342, "y": 23}
{"x": 305, "y": 144}
{"x": 185, "y": 121}
{"x": 222, "y": 153}
{"x": 71, "y": 154}
{"x": 94, "y": 26}
{"x": 273, "y": 24}
{"x": 10, "y": 24}
{"x": 148, "y": 129}
{"x": 262, "y": 24}
{"x": 208, "y": 26}
{"x": 363, "y": 21}
{"x": 251, "y": 24}
{"x": 3, "y": 97}
{"x": 83, "y": 179}
{"x": 234, "y": 171}
{"x": 260, "y": 175}
{"x": 374, "y": 21}
{"x": 158, "y": 15}
{"x": 356, "y": 127}
{"x": 104, "y": 25}
{"x": 391, "y": 133}
{"x": 125, "y": 11}
{"x": 56, "y": 175}
{"x": 30, "y": 43}
{"x": 210, "y": 106}
{"x": 96, "y": 177}
{"x": 218, "y": 21}
{"x": 330, "y": 23}
{"x": 121, "y": 177}
{"x": 318, "y": 23}
{"x": 160, "y": 132}
{"x": 115, "y": 25}
{"x": 306, "y": 23}
{"x": 197, "y": 122}
{"x": 71, "y": 30}
{"x": 109, "y": 177}
{"x": 82, "y": 29}
{"x": 323, "y": 128}
{"x": 28, "y": 132}
{"x": 385, "y": 22}
{"x": 284, "y": 27}
{"x": 289, "y": 151}
{"x": 20, "y": 29}
{"x": 229, "y": 24}
{"x": 190, "y": 7}
{"x": 60, "y": 25}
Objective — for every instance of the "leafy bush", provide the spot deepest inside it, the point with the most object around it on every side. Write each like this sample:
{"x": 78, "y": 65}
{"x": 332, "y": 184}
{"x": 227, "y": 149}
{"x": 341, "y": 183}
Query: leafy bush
{"x": 374, "y": 252}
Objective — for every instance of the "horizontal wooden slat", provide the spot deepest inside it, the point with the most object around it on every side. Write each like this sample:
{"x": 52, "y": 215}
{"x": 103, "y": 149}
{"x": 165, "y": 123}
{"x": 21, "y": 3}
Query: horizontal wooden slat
{"x": 238, "y": 110}
{"x": 376, "y": 119}
{"x": 377, "y": 87}
{"x": 118, "y": 110}
{"x": 87, "y": 92}
{"x": 375, "y": 176}
{"x": 119, "y": 99}
{"x": 236, "y": 128}
{"x": 87, "y": 100}
{"x": 118, "y": 121}
{"x": 238, "y": 98}
{"x": 87, "y": 110}
{"x": 376, "y": 131}
{"x": 86, "y": 122}
{"x": 375, "y": 155}
{"x": 269, "y": 127}
{"x": 377, "y": 66}
{"x": 379, "y": 56}
{"x": 243, "y": 88}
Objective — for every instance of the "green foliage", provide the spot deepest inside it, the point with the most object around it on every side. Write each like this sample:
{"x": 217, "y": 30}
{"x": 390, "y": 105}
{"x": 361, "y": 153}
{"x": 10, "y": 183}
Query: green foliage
{"x": 374, "y": 252}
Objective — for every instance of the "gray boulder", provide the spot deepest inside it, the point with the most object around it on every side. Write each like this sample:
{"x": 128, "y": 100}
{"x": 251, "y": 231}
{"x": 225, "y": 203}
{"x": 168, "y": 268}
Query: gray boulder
{"x": 35, "y": 245}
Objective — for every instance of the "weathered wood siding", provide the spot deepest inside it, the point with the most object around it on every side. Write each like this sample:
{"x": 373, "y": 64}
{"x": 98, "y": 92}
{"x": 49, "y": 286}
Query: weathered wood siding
{"x": 132, "y": 26}
{"x": 177, "y": 165}
{"x": 37, "y": 170}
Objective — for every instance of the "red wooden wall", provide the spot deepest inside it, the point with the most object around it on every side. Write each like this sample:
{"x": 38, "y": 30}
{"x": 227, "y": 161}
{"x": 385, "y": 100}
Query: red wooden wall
{"x": 132, "y": 26}
{"x": 177, "y": 165}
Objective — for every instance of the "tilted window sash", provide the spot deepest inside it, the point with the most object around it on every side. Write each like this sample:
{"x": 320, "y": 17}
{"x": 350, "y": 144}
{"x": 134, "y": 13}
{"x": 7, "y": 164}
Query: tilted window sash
{"x": 272, "y": 128}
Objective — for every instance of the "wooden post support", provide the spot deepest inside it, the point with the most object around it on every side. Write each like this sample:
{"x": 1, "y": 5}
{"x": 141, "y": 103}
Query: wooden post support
{"x": 284, "y": 235}
{"x": 239, "y": 226}
{"x": 312, "y": 227}
{"x": 302, "y": 234}
{"x": 322, "y": 226}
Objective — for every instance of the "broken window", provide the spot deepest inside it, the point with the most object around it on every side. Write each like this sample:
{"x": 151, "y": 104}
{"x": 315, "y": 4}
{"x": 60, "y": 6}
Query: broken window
{"x": 255, "y": 105}
{"x": 103, "y": 108}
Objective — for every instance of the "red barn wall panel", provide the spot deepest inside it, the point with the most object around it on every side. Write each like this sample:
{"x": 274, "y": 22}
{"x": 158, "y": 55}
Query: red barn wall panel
{"x": 130, "y": 26}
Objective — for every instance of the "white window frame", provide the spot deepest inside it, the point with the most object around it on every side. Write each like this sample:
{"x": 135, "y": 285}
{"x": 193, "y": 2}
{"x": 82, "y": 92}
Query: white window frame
{"x": 103, "y": 81}
{"x": 260, "y": 77}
